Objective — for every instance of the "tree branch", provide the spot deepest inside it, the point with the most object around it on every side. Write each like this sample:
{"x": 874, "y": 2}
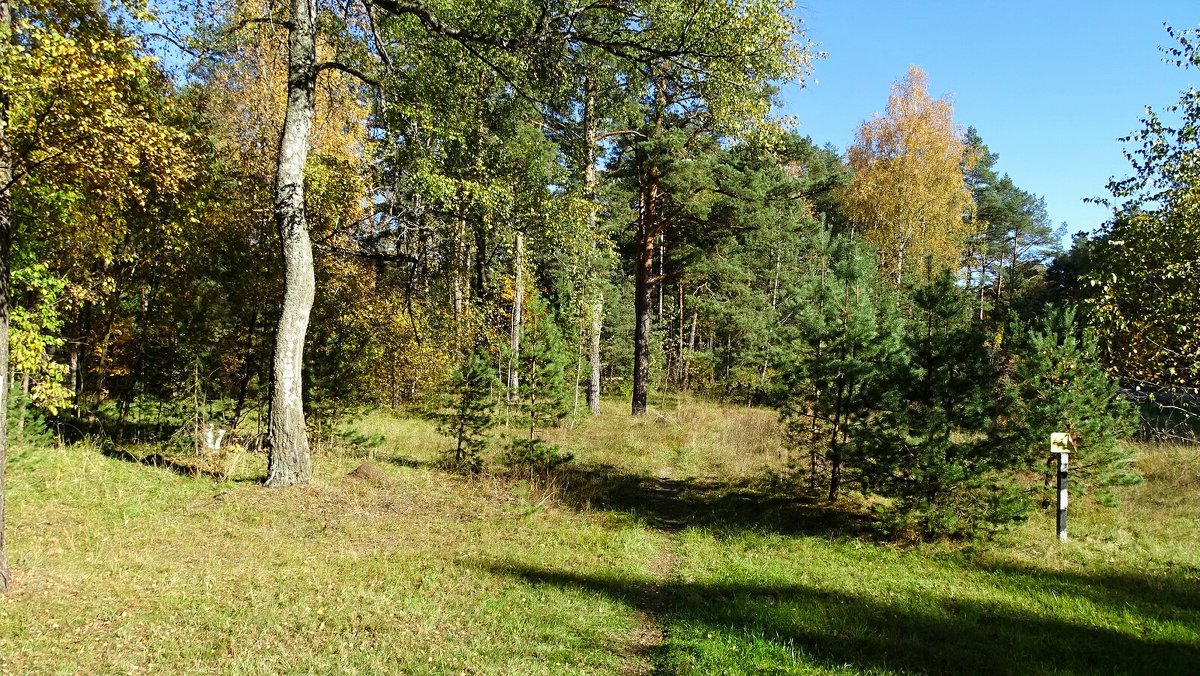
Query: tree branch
{"x": 258, "y": 20}
{"x": 349, "y": 70}
{"x": 434, "y": 24}
{"x": 618, "y": 132}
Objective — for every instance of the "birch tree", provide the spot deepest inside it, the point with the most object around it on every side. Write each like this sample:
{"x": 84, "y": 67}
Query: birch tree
{"x": 908, "y": 192}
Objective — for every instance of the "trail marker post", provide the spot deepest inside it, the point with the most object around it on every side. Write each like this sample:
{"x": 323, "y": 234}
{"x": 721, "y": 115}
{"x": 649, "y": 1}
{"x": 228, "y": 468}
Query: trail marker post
{"x": 1061, "y": 445}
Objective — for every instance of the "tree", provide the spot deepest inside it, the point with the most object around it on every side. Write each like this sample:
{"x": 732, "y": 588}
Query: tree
{"x": 928, "y": 449}
{"x": 78, "y": 106}
{"x": 1146, "y": 262}
{"x": 1012, "y": 238}
{"x": 469, "y": 409}
{"x": 6, "y": 233}
{"x": 1057, "y": 383}
{"x": 746, "y": 231}
{"x": 541, "y": 400}
{"x": 908, "y": 192}
{"x": 836, "y": 357}
{"x": 722, "y": 89}
{"x": 489, "y": 35}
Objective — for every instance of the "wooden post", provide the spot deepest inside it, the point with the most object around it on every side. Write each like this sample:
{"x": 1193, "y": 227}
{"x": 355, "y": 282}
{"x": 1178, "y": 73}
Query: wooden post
{"x": 1061, "y": 444}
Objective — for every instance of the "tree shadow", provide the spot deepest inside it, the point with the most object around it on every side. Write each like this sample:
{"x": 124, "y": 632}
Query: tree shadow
{"x": 1161, "y": 597}
{"x": 745, "y": 627}
{"x": 170, "y": 464}
{"x": 722, "y": 506}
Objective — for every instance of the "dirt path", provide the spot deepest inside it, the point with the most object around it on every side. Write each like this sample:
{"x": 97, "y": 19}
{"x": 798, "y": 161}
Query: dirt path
{"x": 654, "y": 600}
{"x": 651, "y": 603}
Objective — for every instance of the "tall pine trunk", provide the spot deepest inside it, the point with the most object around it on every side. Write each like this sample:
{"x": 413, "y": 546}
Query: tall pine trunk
{"x": 589, "y": 186}
{"x": 647, "y": 231}
{"x": 5, "y": 251}
{"x": 290, "y": 460}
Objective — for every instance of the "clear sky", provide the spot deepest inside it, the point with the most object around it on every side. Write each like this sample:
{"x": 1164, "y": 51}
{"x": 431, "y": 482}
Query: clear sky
{"x": 1050, "y": 85}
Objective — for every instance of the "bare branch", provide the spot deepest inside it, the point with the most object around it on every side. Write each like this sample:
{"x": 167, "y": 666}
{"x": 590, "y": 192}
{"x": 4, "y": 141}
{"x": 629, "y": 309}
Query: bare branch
{"x": 348, "y": 70}
{"x": 617, "y": 132}
{"x": 259, "y": 20}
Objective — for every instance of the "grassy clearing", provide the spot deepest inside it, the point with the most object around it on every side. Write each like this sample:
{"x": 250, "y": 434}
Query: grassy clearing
{"x": 663, "y": 547}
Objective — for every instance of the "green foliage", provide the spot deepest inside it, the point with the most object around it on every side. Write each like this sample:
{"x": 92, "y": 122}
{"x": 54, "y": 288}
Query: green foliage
{"x": 35, "y": 332}
{"x": 468, "y": 411}
{"x": 26, "y": 424}
{"x": 541, "y": 398}
{"x": 929, "y": 450}
{"x": 1056, "y": 383}
{"x": 833, "y": 359}
{"x": 1011, "y": 242}
{"x": 1146, "y": 270}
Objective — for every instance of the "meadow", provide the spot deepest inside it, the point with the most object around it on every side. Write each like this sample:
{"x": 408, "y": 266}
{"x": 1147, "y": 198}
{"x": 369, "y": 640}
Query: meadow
{"x": 673, "y": 543}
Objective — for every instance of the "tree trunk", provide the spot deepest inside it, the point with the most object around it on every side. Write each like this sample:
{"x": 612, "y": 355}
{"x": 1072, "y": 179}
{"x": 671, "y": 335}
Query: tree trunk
{"x": 589, "y": 187}
{"x": 662, "y": 267}
{"x": 73, "y": 375}
{"x": 593, "y": 394}
{"x": 648, "y": 229}
{"x": 643, "y": 288}
{"x": 459, "y": 269}
{"x": 247, "y": 372}
{"x": 5, "y": 251}
{"x": 289, "y": 460}
{"x": 514, "y": 378}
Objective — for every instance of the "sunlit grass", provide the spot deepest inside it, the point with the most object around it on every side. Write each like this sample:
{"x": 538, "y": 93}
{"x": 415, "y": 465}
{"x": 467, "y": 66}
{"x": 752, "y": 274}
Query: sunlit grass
{"x": 661, "y": 547}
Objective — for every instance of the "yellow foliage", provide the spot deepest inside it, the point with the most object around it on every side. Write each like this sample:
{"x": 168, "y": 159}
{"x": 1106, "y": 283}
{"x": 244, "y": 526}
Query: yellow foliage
{"x": 79, "y": 102}
{"x": 248, "y": 95}
{"x": 908, "y": 191}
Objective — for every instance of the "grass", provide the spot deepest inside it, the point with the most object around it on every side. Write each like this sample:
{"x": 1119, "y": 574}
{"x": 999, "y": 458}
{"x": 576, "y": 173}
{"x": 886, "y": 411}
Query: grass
{"x": 664, "y": 547}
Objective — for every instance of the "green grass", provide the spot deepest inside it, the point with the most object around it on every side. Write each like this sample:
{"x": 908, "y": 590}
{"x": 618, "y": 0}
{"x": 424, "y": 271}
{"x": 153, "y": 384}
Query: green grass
{"x": 665, "y": 546}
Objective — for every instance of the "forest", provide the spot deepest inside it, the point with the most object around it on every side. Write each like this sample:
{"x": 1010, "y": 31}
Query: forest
{"x": 233, "y": 231}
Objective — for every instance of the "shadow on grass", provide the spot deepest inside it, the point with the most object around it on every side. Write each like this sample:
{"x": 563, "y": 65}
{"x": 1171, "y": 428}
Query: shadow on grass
{"x": 723, "y": 506}
{"x": 1166, "y": 598}
{"x": 751, "y": 628}
{"x": 180, "y": 468}
{"x": 411, "y": 463}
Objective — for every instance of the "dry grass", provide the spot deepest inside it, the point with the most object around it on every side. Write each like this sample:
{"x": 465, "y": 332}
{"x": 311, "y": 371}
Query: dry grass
{"x": 128, "y": 568}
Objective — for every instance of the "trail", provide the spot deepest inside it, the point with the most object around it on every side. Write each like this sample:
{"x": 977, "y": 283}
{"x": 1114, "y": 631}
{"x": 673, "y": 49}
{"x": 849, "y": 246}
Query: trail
{"x": 653, "y": 601}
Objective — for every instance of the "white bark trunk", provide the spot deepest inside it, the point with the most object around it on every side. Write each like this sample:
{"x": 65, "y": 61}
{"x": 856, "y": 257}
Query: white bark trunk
{"x": 5, "y": 251}
{"x": 514, "y": 378}
{"x": 289, "y": 461}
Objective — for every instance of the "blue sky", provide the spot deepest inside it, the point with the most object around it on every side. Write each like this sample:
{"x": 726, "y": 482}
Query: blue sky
{"x": 1049, "y": 85}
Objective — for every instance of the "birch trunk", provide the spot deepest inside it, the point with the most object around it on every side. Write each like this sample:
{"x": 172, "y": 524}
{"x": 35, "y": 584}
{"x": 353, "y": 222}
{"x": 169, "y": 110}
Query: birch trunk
{"x": 289, "y": 460}
{"x": 5, "y": 251}
{"x": 514, "y": 377}
{"x": 589, "y": 187}
{"x": 593, "y": 394}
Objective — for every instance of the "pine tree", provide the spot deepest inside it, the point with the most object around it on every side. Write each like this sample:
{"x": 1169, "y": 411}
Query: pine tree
{"x": 542, "y": 400}
{"x": 1057, "y": 384}
{"x": 469, "y": 410}
{"x": 845, "y": 337}
{"x": 928, "y": 450}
